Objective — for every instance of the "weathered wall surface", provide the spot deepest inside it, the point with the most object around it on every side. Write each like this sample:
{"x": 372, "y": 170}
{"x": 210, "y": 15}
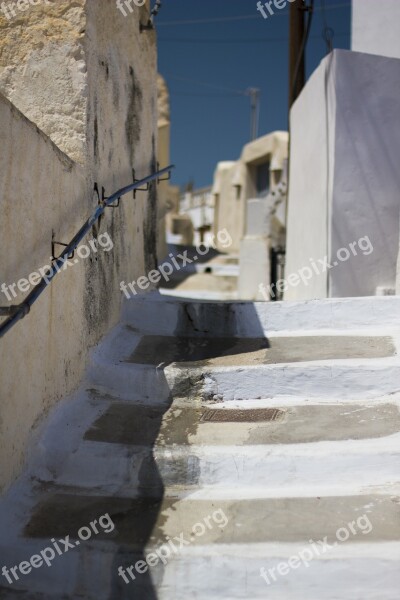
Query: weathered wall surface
{"x": 375, "y": 27}
{"x": 43, "y": 71}
{"x": 344, "y": 183}
{"x": 121, "y": 137}
{"x": 163, "y": 157}
{"x": 43, "y": 191}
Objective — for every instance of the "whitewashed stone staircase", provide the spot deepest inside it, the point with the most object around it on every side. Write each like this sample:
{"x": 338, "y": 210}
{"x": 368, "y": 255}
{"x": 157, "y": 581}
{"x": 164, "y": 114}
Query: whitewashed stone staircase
{"x": 166, "y": 430}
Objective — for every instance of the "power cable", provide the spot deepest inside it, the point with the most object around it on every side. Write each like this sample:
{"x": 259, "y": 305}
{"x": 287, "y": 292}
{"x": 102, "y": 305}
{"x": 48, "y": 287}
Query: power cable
{"x": 252, "y": 93}
{"x": 201, "y": 95}
{"x": 237, "y": 41}
{"x": 310, "y": 12}
{"x": 328, "y": 33}
{"x": 208, "y": 85}
{"x": 241, "y": 17}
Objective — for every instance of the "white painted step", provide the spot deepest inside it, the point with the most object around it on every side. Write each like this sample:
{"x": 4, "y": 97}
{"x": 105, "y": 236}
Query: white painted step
{"x": 340, "y": 379}
{"x": 320, "y": 470}
{"x": 109, "y": 459}
{"x": 238, "y": 578}
{"x": 266, "y": 488}
{"x": 111, "y": 367}
{"x": 352, "y": 572}
{"x": 225, "y": 554}
{"x": 155, "y": 313}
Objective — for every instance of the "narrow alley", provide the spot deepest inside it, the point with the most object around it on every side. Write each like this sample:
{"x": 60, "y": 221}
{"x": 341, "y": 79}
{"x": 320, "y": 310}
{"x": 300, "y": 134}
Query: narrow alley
{"x": 199, "y": 300}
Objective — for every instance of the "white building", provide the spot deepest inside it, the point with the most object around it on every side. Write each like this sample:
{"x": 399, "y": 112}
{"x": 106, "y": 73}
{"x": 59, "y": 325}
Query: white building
{"x": 198, "y": 205}
{"x": 375, "y": 27}
{"x": 344, "y": 177}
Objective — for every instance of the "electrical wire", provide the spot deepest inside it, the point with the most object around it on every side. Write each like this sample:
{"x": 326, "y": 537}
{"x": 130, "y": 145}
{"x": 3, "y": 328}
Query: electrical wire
{"x": 237, "y": 41}
{"x": 208, "y": 85}
{"x": 328, "y": 33}
{"x": 242, "y": 17}
{"x": 201, "y": 95}
{"x": 310, "y": 13}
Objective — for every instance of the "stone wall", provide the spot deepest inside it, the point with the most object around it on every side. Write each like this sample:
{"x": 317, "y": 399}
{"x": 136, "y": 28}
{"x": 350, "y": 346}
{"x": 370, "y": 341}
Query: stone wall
{"x": 43, "y": 69}
{"x": 103, "y": 116}
{"x": 163, "y": 156}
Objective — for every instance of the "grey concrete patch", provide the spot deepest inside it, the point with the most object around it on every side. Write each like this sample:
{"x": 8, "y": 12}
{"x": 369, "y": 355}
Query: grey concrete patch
{"x": 138, "y": 425}
{"x": 127, "y": 424}
{"x": 302, "y": 424}
{"x": 218, "y": 351}
{"x": 308, "y": 424}
{"x": 154, "y": 349}
{"x": 63, "y": 514}
{"x": 283, "y": 519}
{"x": 139, "y": 522}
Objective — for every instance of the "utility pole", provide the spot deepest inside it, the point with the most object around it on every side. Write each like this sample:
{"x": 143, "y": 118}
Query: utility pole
{"x": 254, "y": 94}
{"x": 297, "y": 72}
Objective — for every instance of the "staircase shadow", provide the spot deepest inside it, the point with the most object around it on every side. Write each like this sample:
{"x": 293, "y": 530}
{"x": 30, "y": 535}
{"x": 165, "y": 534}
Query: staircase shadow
{"x": 193, "y": 340}
{"x": 138, "y": 518}
{"x": 193, "y": 258}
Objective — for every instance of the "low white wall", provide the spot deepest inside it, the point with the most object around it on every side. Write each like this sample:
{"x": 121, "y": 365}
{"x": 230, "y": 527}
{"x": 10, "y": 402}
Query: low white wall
{"x": 310, "y": 165}
{"x": 375, "y": 27}
{"x": 344, "y": 182}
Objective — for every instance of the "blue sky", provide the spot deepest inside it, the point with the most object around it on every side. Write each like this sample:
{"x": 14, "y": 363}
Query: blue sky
{"x": 207, "y": 62}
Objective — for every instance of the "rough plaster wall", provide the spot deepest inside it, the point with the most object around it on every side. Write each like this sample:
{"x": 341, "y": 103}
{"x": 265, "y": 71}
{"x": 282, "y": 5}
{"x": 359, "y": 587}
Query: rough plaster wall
{"x": 163, "y": 157}
{"x": 122, "y": 132}
{"x": 164, "y": 113}
{"x": 42, "y": 70}
{"x": 44, "y": 356}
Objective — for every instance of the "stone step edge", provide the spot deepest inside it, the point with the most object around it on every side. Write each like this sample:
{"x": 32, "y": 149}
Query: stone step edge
{"x": 274, "y": 316}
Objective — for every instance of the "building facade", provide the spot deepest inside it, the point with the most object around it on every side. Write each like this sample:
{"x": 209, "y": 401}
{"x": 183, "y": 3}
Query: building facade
{"x": 344, "y": 202}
